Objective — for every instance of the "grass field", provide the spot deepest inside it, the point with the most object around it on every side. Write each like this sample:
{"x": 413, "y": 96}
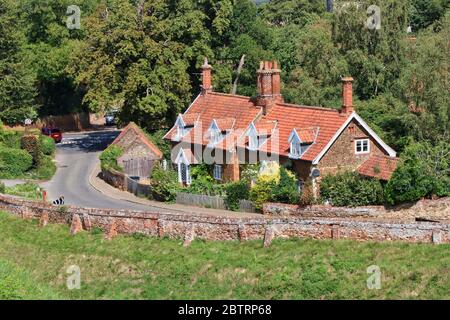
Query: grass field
{"x": 33, "y": 265}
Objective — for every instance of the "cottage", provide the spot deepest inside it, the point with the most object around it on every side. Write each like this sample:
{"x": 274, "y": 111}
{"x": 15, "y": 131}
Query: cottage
{"x": 229, "y": 130}
{"x": 139, "y": 152}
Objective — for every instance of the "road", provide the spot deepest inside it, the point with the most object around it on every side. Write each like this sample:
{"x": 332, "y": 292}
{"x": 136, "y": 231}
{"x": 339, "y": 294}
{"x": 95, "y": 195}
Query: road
{"x": 76, "y": 157}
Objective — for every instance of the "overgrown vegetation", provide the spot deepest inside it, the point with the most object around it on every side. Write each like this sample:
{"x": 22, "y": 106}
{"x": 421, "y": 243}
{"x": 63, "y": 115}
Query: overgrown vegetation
{"x": 164, "y": 184}
{"x": 28, "y": 190}
{"x": 350, "y": 189}
{"x": 35, "y": 261}
{"x": 108, "y": 158}
{"x": 236, "y": 191}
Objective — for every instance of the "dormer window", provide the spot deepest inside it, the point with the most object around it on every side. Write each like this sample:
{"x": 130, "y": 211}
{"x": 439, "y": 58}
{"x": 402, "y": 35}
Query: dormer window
{"x": 253, "y": 142}
{"x": 296, "y": 149}
{"x": 216, "y": 136}
{"x": 300, "y": 140}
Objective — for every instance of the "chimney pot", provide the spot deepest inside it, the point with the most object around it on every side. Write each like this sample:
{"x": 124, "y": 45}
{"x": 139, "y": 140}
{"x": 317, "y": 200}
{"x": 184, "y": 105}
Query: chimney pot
{"x": 347, "y": 95}
{"x": 206, "y": 77}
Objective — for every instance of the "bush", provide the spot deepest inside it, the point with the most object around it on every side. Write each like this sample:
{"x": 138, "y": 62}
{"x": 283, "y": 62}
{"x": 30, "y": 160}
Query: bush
{"x": 287, "y": 189}
{"x": 109, "y": 158}
{"x": 32, "y": 145}
{"x": 236, "y": 191}
{"x": 27, "y": 190}
{"x": 164, "y": 184}
{"x": 350, "y": 189}
{"x": 2, "y": 187}
{"x": 204, "y": 183}
{"x": 10, "y": 139}
{"x": 14, "y": 162}
{"x": 45, "y": 170}
{"x": 48, "y": 145}
{"x": 307, "y": 195}
{"x": 423, "y": 173}
{"x": 261, "y": 192}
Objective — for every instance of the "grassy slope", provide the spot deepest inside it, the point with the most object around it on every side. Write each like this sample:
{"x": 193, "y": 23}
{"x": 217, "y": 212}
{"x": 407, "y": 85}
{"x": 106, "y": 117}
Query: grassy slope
{"x": 139, "y": 267}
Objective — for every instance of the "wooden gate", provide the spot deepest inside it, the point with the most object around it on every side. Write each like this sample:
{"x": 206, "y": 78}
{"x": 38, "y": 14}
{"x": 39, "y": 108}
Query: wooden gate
{"x": 139, "y": 167}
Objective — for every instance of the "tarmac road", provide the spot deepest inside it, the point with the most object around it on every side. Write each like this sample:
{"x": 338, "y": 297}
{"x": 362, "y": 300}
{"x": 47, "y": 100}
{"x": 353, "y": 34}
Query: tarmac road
{"x": 76, "y": 157}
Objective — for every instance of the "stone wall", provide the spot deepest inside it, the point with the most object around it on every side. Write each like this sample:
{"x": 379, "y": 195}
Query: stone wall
{"x": 114, "y": 178}
{"x": 427, "y": 209}
{"x": 191, "y": 226}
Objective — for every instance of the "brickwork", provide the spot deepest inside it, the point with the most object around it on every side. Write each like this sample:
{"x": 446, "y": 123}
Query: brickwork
{"x": 191, "y": 226}
{"x": 341, "y": 156}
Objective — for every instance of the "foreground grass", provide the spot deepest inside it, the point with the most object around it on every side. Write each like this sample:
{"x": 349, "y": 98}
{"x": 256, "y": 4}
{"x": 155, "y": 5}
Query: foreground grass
{"x": 134, "y": 267}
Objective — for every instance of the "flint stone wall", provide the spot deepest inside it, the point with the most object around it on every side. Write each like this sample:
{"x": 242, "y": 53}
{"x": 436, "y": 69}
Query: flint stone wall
{"x": 225, "y": 228}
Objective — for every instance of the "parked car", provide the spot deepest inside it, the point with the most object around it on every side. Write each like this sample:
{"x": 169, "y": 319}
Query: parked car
{"x": 52, "y": 132}
{"x": 110, "y": 118}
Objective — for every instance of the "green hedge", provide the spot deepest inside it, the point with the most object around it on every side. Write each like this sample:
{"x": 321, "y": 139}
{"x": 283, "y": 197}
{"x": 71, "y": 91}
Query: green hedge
{"x": 109, "y": 158}
{"x": 164, "y": 184}
{"x": 32, "y": 145}
{"x": 350, "y": 189}
{"x": 48, "y": 145}
{"x": 236, "y": 191}
{"x": 14, "y": 162}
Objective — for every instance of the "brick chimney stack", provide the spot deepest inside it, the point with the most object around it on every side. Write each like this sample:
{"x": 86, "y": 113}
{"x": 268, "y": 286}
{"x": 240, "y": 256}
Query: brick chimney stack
{"x": 206, "y": 77}
{"x": 269, "y": 84}
{"x": 347, "y": 95}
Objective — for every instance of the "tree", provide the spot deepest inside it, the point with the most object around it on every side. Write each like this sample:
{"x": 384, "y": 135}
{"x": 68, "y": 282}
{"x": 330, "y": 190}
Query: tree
{"x": 425, "y": 172}
{"x": 17, "y": 91}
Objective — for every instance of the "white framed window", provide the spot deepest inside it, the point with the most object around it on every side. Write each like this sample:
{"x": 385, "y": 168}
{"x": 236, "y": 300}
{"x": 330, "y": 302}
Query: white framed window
{"x": 216, "y": 136}
{"x": 253, "y": 142}
{"x": 296, "y": 149}
{"x": 217, "y": 172}
{"x": 362, "y": 146}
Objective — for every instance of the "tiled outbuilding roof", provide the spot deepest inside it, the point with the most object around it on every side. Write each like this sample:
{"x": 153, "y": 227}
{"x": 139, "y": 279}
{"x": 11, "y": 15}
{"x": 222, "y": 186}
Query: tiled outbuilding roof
{"x": 378, "y": 166}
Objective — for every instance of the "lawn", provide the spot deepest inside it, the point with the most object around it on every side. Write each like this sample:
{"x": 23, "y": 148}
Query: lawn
{"x": 33, "y": 264}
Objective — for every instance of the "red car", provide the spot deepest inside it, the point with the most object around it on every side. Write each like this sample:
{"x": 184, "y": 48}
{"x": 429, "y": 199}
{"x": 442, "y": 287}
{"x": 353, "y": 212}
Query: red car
{"x": 54, "y": 133}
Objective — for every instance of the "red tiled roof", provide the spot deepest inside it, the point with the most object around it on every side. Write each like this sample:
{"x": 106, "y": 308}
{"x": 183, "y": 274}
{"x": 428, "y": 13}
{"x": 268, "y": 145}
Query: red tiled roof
{"x": 265, "y": 127}
{"x": 190, "y": 119}
{"x": 378, "y": 166}
{"x": 142, "y": 136}
{"x": 230, "y": 112}
{"x": 225, "y": 124}
{"x": 307, "y": 135}
{"x": 289, "y": 116}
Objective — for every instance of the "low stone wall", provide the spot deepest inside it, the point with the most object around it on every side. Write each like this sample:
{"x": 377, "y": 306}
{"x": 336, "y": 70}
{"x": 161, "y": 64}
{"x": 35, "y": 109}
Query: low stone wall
{"x": 427, "y": 209}
{"x": 114, "y": 178}
{"x": 190, "y": 226}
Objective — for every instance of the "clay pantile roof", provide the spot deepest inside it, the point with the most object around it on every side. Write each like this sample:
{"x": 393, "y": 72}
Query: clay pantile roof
{"x": 190, "y": 119}
{"x": 307, "y": 135}
{"x": 141, "y": 135}
{"x": 225, "y": 124}
{"x": 379, "y": 166}
{"x": 230, "y": 112}
{"x": 265, "y": 127}
{"x": 289, "y": 116}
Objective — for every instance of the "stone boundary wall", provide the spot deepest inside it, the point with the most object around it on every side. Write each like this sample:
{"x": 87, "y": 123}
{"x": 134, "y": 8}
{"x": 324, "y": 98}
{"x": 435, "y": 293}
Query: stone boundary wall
{"x": 428, "y": 209}
{"x": 191, "y": 226}
{"x": 114, "y": 178}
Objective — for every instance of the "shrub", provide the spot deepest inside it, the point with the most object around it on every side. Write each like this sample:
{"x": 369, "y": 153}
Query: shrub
{"x": 47, "y": 144}
{"x": 164, "y": 184}
{"x": 45, "y": 170}
{"x": 2, "y": 187}
{"x": 27, "y": 190}
{"x": 286, "y": 190}
{"x": 236, "y": 191}
{"x": 423, "y": 173}
{"x": 10, "y": 138}
{"x": 204, "y": 183}
{"x": 109, "y": 158}
{"x": 307, "y": 195}
{"x": 350, "y": 189}
{"x": 14, "y": 162}
{"x": 261, "y": 192}
{"x": 32, "y": 145}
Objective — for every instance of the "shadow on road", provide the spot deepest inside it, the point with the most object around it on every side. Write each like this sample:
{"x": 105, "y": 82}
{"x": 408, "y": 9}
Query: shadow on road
{"x": 88, "y": 142}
